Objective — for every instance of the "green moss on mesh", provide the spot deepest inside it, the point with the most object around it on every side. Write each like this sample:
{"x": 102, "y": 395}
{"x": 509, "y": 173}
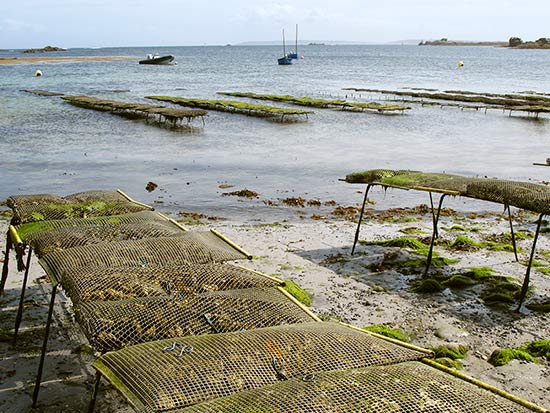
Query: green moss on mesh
{"x": 384, "y": 330}
{"x": 297, "y": 292}
{"x": 505, "y": 355}
{"x": 427, "y": 286}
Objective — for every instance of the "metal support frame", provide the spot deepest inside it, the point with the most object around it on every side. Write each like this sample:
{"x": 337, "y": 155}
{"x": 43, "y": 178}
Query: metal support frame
{"x": 22, "y": 298}
{"x": 434, "y": 235}
{"x": 95, "y": 390}
{"x": 360, "y": 219}
{"x": 512, "y": 232}
{"x": 44, "y": 347}
{"x": 433, "y": 216}
{"x": 525, "y": 286}
{"x": 5, "y": 265}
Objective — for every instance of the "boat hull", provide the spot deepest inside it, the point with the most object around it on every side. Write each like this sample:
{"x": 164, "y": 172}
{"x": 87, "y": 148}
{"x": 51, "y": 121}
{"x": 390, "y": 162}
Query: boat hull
{"x": 284, "y": 61}
{"x": 162, "y": 60}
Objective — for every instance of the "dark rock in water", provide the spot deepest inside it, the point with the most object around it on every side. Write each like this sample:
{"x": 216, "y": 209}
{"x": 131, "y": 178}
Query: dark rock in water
{"x": 151, "y": 186}
{"x": 45, "y": 49}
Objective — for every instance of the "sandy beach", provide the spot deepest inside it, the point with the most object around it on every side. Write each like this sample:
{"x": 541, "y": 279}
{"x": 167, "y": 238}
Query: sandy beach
{"x": 363, "y": 289}
{"x": 64, "y": 59}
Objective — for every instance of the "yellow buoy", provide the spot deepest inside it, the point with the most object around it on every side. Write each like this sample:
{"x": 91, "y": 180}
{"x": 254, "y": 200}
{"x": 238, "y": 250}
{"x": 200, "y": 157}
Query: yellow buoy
{"x": 460, "y": 63}
{"x": 38, "y": 73}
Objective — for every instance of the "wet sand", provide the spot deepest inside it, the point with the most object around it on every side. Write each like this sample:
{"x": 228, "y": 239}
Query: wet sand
{"x": 64, "y": 59}
{"x": 315, "y": 253}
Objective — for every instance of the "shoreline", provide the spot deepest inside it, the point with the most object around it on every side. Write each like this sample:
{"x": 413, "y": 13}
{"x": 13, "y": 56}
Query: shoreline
{"x": 64, "y": 59}
{"x": 357, "y": 289}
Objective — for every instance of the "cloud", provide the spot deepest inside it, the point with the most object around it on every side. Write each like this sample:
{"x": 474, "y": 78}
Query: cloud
{"x": 18, "y": 26}
{"x": 278, "y": 12}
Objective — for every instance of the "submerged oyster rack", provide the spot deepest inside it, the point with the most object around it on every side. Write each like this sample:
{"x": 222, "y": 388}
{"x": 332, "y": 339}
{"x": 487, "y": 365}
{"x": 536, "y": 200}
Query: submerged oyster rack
{"x": 180, "y": 330}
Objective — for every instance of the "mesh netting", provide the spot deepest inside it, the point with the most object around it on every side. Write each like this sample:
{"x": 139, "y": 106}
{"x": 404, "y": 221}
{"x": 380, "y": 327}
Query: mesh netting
{"x": 42, "y": 207}
{"x": 409, "y": 387}
{"x": 25, "y": 231}
{"x": 189, "y": 248}
{"x": 523, "y": 195}
{"x": 120, "y": 283}
{"x": 95, "y": 195}
{"x": 224, "y": 364}
{"x": 15, "y": 201}
{"x": 115, "y": 324}
{"x": 46, "y": 242}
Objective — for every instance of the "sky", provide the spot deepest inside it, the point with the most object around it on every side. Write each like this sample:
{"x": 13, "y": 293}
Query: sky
{"x": 108, "y": 23}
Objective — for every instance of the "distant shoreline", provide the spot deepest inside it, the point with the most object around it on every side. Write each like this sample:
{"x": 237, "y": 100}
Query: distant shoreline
{"x": 65, "y": 59}
{"x": 461, "y": 43}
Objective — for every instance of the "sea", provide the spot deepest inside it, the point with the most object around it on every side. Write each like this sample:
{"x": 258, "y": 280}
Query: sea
{"x": 49, "y": 146}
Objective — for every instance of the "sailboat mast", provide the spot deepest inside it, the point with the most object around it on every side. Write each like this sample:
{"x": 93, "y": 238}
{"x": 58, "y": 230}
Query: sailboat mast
{"x": 296, "y": 46}
{"x": 284, "y": 48}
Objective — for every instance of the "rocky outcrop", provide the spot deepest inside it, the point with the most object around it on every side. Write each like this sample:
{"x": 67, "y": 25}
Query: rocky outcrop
{"x": 45, "y": 49}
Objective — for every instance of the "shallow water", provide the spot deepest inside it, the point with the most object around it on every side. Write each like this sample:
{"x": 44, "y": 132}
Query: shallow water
{"x": 48, "y": 145}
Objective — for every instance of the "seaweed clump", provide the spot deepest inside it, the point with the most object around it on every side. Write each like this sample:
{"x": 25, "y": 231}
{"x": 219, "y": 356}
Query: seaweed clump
{"x": 386, "y": 331}
{"x": 297, "y": 292}
{"x": 243, "y": 193}
{"x": 528, "y": 352}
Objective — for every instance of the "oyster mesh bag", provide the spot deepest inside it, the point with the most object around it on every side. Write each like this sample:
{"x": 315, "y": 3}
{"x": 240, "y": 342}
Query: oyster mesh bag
{"x": 110, "y": 325}
{"x": 200, "y": 368}
{"x": 43, "y": 207}
{"x": 408, "y": 387}
{"x": 45, "y": 242}
{"x": 188, "y": 248}
{"x": 120, "y": 283}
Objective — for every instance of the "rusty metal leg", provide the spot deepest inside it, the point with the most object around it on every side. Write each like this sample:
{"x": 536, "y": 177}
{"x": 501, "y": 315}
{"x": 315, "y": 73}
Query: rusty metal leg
{"x": 525, "y": 286}
{"x": 433, "y": 216}
{"x": 44, "y": 347}
{"x": 93, "y": 397}
{"x": 435, "y": 221}
{"x": 6, "y": 263}
{"x": 22, "y": 298}
{"x": 512, "y": 232}
{"x": 360, "y": 219}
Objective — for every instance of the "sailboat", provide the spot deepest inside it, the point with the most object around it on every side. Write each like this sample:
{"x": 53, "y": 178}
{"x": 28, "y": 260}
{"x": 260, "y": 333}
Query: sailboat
{"x": 285, "y": 60}
{"x": 295, "y": 54}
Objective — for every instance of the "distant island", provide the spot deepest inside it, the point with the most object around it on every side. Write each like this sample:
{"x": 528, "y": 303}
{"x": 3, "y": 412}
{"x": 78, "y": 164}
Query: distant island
{"x": 517, "y": 43}
{"x": 45, "y": 49}
{"x": 445, "y": 42}
{"x": 513, "y": 42}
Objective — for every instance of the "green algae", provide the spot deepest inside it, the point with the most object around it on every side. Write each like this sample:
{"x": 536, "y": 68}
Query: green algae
{"x": 386, "y": 331}
{"x": 230, "y": 106}
{"x": 458, "y": 281}
{"x": 448, "y": 362}
{"x": 452, "y": 352}
{"x": 539, "y": 307}
{"x": 401, "y": 242}
{"x": 538, "y": 348}
{"x": 427, "y": 286}
{"x": 297, "y": 292}
{"x": 506, "y": 355}
{"x": 480, "y": 273}
{"x": 463, "y": 242}
{"x": 41, "y": 225}
{"x": 456, "y": 228}
{"x": 318, "y": 103}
